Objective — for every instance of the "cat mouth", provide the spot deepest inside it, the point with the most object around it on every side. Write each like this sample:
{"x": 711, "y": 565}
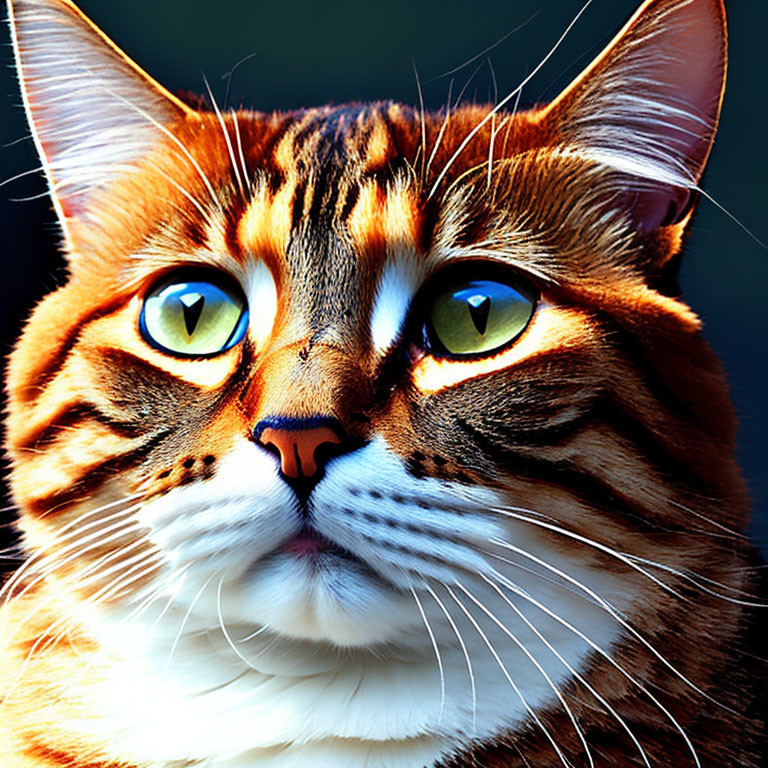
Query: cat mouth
{"x": 310, "y": 544}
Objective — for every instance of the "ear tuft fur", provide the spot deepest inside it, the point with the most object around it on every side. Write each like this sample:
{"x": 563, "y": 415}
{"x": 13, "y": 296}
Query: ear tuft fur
{"x": 93, "y": 112}
{"x": 649, "y": 105}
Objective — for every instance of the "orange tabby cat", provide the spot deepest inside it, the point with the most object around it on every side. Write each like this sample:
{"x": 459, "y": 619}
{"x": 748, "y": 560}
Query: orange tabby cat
{"x": 365, "y": 437}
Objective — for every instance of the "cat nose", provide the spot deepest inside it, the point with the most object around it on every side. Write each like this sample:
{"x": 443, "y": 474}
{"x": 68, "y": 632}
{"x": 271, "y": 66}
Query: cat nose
{"x": 296, "y": 441}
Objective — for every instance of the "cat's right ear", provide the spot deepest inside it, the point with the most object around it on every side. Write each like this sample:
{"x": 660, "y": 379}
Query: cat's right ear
{"x": 649, "y": 106}
{"x": 93, "y": 112}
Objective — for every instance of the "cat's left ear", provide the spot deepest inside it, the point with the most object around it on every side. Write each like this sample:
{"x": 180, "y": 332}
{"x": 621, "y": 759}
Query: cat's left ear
{"x": 92, "y": 111}
{"x": 649, "y": 106}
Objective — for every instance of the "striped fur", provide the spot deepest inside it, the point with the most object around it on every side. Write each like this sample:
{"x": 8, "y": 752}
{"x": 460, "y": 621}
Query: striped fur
{"x": 550, "y": 566}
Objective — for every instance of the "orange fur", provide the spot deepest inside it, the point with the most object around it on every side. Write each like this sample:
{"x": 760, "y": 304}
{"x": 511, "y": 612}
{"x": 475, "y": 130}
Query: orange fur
{"x": 88, "y": 398}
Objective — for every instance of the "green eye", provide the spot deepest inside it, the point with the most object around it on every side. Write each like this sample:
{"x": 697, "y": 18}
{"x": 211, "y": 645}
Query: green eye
{"x": 194, "y": 315}
{"x": 477, "y": 317}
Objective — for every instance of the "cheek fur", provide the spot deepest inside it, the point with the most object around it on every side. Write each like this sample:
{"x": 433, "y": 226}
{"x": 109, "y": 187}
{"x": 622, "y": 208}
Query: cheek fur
{"x": 532, "y": 558}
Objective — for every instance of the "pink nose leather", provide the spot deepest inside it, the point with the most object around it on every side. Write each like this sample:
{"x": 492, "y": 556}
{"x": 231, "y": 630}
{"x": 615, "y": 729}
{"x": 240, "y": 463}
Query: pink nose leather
{"x": 297, "y": 448}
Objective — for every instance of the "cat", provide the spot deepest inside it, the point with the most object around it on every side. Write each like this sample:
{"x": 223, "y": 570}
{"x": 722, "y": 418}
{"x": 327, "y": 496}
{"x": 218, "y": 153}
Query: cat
{"x": 365, "y": 436}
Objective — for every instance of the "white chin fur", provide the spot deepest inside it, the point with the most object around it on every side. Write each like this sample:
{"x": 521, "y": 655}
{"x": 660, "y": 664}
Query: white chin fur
{"x": 255, "y": 658}
{"x": 333, "y": 600}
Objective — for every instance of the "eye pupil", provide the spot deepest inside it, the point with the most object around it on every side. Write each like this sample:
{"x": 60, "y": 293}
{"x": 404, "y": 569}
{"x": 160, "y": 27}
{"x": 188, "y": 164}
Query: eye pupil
{"x": 192, "y": 306}
{"x": 194, "y": 313}
{"x": 477, "y": 315}
{"x": 479, "y": 310}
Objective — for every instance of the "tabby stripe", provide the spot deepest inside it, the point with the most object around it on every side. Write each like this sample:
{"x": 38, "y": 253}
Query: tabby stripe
{"x": 297, "y": 204}
{"x": 324, "y": 198}
{"x": 604, "y": 411}
{"x": 351, "y": 196}
{"x": 636, "y": 356}
{"x": 651, "y": 447}
{"x": 121, "y": 358}
{"x": 591, "y": 490}
{"x": 231, "y": 226}
{"x": 59, "y": 759}
{"x": 87, "y": 482}
{"x": 53, "y": 365}
{"x": 74, "y": 416}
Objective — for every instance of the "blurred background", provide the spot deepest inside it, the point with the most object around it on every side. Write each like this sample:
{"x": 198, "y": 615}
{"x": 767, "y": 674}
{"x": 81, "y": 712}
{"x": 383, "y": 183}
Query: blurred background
{"x": 303, "y": 53}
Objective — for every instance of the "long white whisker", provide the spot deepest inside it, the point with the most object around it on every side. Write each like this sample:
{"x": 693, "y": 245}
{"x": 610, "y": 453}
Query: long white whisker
{"x": 532, "y": 712}
{"x": 540, "y": 669}
{"x": 613, "y": 612}
{"x": 464, "y": 650}
{"x": 184, "y": 621}
{"x": 223, "y": 627}
{"x": 504, "y": 102}
{"x": 240, "y": 153}
{"x": 437, "y": 653}
{"x": 569, "y": 667}
{"x": 422, "y": 118}
{"x": 604, "y": 603}
{"x": 23, "y": 174}
{"x": 224, "y": 130}
{"x": 514, "y": 512}
{"x": 214, "y": 197}
{"x": 48, "y": 563}
{"x": 697, "y": 580}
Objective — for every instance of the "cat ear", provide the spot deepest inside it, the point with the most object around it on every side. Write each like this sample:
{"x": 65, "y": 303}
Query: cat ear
{"x": 649, "y": 105}
{"x": 92, "y": 111}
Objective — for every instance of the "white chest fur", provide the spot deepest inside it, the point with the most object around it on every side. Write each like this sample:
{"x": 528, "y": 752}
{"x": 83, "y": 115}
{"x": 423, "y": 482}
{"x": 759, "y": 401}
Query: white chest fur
{"x": 470, "y": 647}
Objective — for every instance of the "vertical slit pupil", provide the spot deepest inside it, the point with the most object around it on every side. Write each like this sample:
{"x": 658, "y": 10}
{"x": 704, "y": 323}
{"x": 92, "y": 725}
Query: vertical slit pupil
{"x": 479, "y": 310}
{"x": 192, "y": 305}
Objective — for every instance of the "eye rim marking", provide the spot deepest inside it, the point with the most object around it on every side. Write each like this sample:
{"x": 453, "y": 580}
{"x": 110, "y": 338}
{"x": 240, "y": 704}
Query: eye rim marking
{"x": 451, "y": 278}
{"x": 551, "y": 328}
{"x": 219, "y": 279}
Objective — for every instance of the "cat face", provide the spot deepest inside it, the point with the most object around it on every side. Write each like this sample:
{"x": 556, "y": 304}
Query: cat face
{"x": 368, "y": 379}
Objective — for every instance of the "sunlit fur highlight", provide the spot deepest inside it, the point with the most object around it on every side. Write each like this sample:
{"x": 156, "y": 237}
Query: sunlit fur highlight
{"x": 542, "y": 551}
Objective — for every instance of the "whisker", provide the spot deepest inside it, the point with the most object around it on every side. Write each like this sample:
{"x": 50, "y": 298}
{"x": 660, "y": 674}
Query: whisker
{"x": 437, "y": 653}
{"x": 240, "y": 153}
{"x": 467, "y": 84}
{"x": 214, "y": 197}
{"x": 504, "y": 102}
{"x": 558, "y": 693}
{"x": 43, "y": 563}
{"x": 224, "y": 130}
{"x": 577, "y": 675}
{"x": 616, "y": 614}
{"x": 514, "y": 512}
{"x": 534, "y": 716}
{"x": 422, "y": 118}
{"x": 224, "y": 630}
{"x": 22, "y": 175}
{"x": 607, "y": 656}
{"x": 488, "y": 49}
{"x": 464, "y": 650}
{"x": 184, "y": 621}
{"x": 493, "y": 127}
{"x": 49, "y": 563}
{"x": 696, "y": 580}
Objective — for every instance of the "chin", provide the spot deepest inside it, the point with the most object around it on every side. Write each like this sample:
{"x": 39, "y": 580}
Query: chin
{"x": 324, "y": 597}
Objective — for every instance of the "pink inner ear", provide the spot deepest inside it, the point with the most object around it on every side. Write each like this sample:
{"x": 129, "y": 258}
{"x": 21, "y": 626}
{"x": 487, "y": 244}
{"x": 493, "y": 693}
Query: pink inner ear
{"x": 690, "y": 72}
{"x": 649, "y": 105}
{"x": 662, "y": 207}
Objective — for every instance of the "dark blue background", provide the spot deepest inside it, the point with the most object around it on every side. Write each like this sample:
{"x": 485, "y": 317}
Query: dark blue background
{"x": 307, "y": 53}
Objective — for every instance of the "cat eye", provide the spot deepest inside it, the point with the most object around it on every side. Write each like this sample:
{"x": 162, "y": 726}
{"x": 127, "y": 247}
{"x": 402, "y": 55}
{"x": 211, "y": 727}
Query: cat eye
{"x": 472, "y": 316}
{"x": 194, "y": 314}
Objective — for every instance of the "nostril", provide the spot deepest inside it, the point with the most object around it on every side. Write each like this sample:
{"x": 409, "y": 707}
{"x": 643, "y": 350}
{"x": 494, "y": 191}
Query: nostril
{"x": 297, "y": 441}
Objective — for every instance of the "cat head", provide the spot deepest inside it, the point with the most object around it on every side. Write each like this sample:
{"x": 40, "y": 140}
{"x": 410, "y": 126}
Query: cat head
{"x": 311, "y": 368}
